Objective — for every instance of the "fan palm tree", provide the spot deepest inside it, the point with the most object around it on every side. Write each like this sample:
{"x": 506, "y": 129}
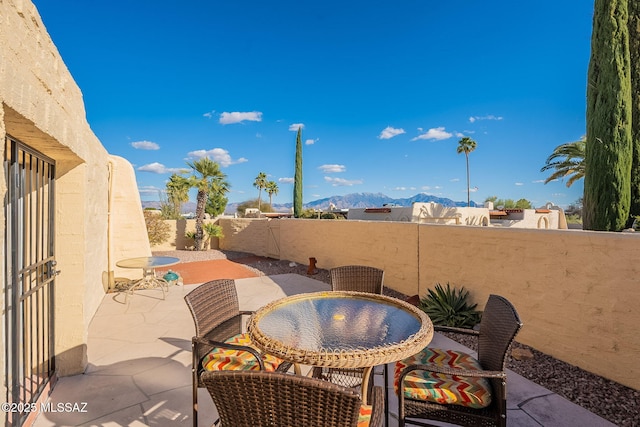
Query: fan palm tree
{"x": 177, "y": 193}
{"x": 466, "y": 145}
{"x": 272, "y": 188}
{"x": 206, "y": 175}
{"x": 567, "y": 161}
{"x": 260, "y": 183}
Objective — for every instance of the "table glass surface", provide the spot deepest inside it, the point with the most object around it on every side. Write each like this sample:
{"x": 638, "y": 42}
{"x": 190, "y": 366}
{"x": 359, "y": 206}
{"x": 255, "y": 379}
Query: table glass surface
{"x": 148, "y": 262}
{"x": 331, "y": 322}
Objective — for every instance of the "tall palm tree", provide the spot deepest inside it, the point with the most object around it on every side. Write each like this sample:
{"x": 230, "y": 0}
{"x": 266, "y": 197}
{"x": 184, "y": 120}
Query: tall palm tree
{"x": 466, "y": 145}
{"x": 567, "y": 161}
{"x": 272, "y": 188}
{"x": 177, "y": 193}
{"x": 206, "y": 175}
{"x": 260, "y": 183}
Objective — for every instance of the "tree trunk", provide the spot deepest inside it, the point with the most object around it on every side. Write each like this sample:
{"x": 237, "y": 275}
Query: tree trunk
{"x": 607, "y": 187}
{"x": 201, "y": 200}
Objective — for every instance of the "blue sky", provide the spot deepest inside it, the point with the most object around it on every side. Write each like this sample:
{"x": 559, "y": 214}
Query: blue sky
{"x": 384, "y": 91}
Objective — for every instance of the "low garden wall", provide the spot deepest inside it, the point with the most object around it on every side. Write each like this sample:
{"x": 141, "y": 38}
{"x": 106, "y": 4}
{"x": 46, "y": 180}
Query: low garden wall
{"x": 577, "y": 292}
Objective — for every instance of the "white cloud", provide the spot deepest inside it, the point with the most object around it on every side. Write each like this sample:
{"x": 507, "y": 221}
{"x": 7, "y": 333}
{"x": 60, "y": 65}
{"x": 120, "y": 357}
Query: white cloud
{"x": 219, "y": 155}
{"x": 294, "y": 127}
{"x": 400, "y": 188}
{"x": 389, "y": 132}
{"x": 538, "y": 181}
{"x": 286, "y": 180}
{"x": 519, "y": 183}
{"x": 454, "y": 180}
{"x": 332, "y": 168}
{"x": 209, "y": 114}
{"x": 340, "y": 182}
{"x": 437, "y": 134}
{"x": 238, "y": 117}
{"x": 489, "y": 117}
{"x": 150, "y": 189}
{"x": 160, "y": 168}
{"x": 473, "y": 189}
{"x": 425, "y": 188}
{"x": 311, "y": 141}
{"x": 145, "y": 145}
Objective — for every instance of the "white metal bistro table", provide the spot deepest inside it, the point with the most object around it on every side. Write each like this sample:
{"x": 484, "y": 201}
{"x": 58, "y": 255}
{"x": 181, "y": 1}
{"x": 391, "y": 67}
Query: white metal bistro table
{"x": 149, "y": 280}
{"x": 340, "y": 330}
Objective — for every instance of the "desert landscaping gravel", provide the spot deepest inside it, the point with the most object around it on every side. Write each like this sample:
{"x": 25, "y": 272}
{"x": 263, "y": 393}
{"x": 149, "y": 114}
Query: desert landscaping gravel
{"x": 610, "y": 400}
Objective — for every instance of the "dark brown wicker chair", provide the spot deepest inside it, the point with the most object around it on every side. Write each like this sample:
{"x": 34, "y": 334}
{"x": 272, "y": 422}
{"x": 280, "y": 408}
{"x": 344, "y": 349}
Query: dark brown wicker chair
{"x": 217, "y": 317}
{"x": 499, "y": 325}
{"x": 273, "y": 399}
{"x": 360, "y": 278}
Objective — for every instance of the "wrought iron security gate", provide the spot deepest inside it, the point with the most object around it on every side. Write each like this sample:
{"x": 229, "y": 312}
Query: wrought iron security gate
{"x": 30, "y": 273}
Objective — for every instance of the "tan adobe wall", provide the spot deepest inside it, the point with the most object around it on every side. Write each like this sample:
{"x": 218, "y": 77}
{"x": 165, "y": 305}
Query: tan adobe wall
{"x": 42, "y": 107}
{"x": 577, "y": 292}
{"x": 177, "y": 239}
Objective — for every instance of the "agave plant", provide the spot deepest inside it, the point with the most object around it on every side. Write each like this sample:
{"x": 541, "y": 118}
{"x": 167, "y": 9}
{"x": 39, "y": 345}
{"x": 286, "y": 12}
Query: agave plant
{"x": 449, "y": 307}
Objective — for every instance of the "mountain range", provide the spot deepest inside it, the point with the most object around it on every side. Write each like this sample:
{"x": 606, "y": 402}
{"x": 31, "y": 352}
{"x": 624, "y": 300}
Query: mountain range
{"x": 353, "y": 200}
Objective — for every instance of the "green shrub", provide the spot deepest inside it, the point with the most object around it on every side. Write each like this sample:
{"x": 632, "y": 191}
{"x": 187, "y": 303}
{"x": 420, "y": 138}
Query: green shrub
{"x": 212, "y": 230}
{"x": 449, "y": 307}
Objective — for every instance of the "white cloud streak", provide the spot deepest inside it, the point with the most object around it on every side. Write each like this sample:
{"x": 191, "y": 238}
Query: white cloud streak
{"x": 389, "y": 132}
{"x": 219, "y": 155}
{"x": 145, "y": 145}
{"x": 332, "y": 168}
{"x": 474, "y": 119}
{"x": 434, "y": 134}
{"x": 340, "y": 182}
{"x": 294, "y": 127}
{"x": 159, "y": 168}
{"x": 286, "y": 180}
{"x": 227, "y": 118}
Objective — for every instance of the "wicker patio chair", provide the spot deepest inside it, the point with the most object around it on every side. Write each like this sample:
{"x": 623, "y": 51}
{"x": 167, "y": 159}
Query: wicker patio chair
{"x": 452, "y": 386}
{"x": 274, "y": 399}
{"x": 359, "y": 278}
{"x": 219, "y": 342}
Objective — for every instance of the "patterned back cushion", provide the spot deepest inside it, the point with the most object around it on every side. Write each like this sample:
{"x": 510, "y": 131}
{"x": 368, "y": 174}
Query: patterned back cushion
{"x": 220, "y": 359}
{"x": 365, "y": 416}
{"x": 441, "y": 388}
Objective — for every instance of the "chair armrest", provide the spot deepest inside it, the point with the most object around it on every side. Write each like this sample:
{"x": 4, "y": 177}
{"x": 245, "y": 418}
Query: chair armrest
{"x": 440, "y": 328}
{"x": 204, "y": 341}
{"x": 452, "y": 371}
{"x": 377, "y": 407}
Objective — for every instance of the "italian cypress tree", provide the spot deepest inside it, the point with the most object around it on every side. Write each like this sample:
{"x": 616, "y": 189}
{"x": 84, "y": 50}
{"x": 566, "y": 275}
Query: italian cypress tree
{"x": 297, "y": 180}
{"x": 634, "y": 56}
{"x": 607, "y": 187}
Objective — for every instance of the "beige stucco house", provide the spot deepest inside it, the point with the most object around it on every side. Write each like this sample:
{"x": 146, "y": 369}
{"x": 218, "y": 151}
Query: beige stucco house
{"x": 69, "y": 207}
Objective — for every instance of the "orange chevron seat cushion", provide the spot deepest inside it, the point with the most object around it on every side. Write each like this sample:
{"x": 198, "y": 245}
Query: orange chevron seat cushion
{"x": 220, "y": 359}
{"x": 365, "y": 416}
{"x": 441, "y": 388}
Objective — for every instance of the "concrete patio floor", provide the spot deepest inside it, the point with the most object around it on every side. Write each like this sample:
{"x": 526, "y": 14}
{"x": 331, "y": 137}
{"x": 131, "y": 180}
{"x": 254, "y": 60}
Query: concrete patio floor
{"x": 139, "y": 371}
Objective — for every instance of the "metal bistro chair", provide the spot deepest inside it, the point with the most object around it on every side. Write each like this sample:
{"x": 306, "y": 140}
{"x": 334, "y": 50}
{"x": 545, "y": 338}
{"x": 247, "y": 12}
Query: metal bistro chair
{"x": 219, "y": 342}
{"x": 274, "y": 399}
{"x": 359, "y": 278}
{"x": 452, "y": 386}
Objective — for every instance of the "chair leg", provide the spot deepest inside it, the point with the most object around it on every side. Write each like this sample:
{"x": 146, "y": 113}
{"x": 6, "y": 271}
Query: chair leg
{"x": 385, "y": 376}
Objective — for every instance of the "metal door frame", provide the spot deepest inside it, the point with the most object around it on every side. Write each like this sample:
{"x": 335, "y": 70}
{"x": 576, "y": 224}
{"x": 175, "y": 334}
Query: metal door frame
{"x": 30, "y": 274}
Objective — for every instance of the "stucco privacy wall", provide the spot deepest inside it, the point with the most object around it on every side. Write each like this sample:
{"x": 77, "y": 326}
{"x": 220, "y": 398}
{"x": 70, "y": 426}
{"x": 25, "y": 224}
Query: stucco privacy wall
{"x": 577, "y": 292}
{"x": 43, "y": 107}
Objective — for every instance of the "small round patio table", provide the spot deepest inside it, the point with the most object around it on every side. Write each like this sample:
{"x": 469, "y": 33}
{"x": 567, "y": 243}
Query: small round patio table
{"x": 148, "y": 264}
{"x": 340, "y": 330}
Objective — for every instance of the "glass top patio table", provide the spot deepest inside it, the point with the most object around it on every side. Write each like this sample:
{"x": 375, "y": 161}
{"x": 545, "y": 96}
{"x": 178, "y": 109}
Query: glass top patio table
{"x": 340, "y": 329}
